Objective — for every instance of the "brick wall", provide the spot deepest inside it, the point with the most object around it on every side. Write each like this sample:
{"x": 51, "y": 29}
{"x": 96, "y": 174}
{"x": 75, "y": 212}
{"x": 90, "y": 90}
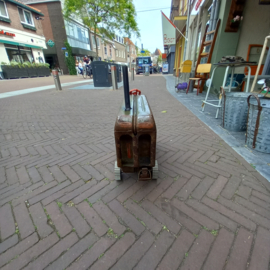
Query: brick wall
{"x": 16, "y": 22}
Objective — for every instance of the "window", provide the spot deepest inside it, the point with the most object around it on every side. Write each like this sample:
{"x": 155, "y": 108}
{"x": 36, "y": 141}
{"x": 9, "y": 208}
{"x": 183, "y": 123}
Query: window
{"x": 105, "y": 49}
{"x": 98, "y": 42}
{"x": 94, "y": 42}
{"x": 110, "y": 50}
{"x": 19, "y": 54}
{"x": 116, "y": 52}
{"x": 3, "y": 9}
{"x": 26, "y": 17}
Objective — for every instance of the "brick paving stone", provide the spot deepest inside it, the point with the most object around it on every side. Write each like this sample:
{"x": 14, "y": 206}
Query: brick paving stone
{"x": 188, "y": 188}
{"x": 183, "y": 219}
{"x": 90, "y": 256}
{"x": 180, "y": 169}
{"x": 34, "y": 174}
{"x": 202, "y": 188}
{"x": 130, "y": 191}
{"x": 231, "y": 214}
{"x": 217, "y": 187}
{"x": 40, "y": 220}
{"x": 185, "y": 157}
{"x": 8, "y": 243}
{"x": 201, "y": 219}
{"x": 21, "y": 247}
{"x": 128, "y": 219}
{"x": 7, "y": 225}
{"x": 206, "y": 156}
{"x": 198, "y": 251}
{"x": 69, "y": 196}
{"x": 62, "y": 192}
{"x": 245, "y": 212}
{"x": 175, "y": 187}
{"x": 12, "y": 177}
{"x": 260, "y": 202}
{"x": 92, "y": 218}
{"x": 177, "y": 251}
{"x": 195, "y": 156}
{"x": 260, "y": 255}
{"x": 201, "y": 170}
{"x": 82, "y": 172}
{"x": 95, "y": 197}
{"x": 95, "y": 173}
{"x": 212, "y": 169}
{"x": 220, "y": 250}
{"x": 153, "y": 256}
{"x": 115, "y": 252}
{"x": 32, "y": 253}
{"x": 49, "y": 192}
{"x": 214, "y": 215}
{"x": 76, "y": 220}
{"x": 53, "y": 253}
{"x": 90, "y": 191}
{"x": 23, "y": 175}
{"x": 57, "y": 173}
{"x": 257, "y": 187}
{"x": 71, "y": 174}
{"x": 166, "y": 171}
{"x": 118, "y": 190}
{"x": 59, "y": 220}
{"x": 45, "y": 174}
{"x": 231, "y": 187}
{"x": 106, "y": 173}
{"x": 107, "y": 215}
{"x": 73, "y": 253}
{"x": 144, "y": 191}
{"x": 167, "y": 221}
{"x": 140, "y": 213}
{"x": 135, "y": 253}
{"x": 23, "y": 220}
{"x": 253, "y": 207}
{"x": 261, "y": 196}
{"x": 241, "y": 248}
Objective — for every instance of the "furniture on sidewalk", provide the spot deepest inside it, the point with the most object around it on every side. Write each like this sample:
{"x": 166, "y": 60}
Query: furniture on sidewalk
{"x": 203, "y": 69}
{"x": 206, "y": 51}
{"x": 228, "y": 65}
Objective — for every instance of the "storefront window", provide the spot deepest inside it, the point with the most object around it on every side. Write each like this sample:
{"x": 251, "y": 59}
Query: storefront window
{"x": 25, "y": 16}
{"x": 3, "y": 9}
{"x": 19, "y": 54}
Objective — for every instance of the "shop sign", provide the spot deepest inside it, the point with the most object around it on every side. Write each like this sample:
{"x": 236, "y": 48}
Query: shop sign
{"x": 168, "y": 29}
{"x": 7, "y": 33}
{"x": 165, "y": 68}
{"x": 50, "y": 43}
{"x": 198, "y": 4}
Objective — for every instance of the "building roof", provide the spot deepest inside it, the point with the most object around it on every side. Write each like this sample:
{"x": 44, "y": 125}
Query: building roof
{"x": 127, "y": 40}
{"x": 158, "y": 52}
{"x": 38, "y": 1}
{"x": 24, "y": 5}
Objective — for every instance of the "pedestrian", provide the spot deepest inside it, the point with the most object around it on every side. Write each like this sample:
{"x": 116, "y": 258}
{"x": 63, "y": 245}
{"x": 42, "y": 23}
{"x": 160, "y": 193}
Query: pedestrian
{"x": 80, "y": 67}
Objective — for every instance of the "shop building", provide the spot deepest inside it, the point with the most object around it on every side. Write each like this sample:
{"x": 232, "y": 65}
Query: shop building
{"x": 21, "y": 33}
{"x": 57, "y": 30}
{"x": 131, "y": 50}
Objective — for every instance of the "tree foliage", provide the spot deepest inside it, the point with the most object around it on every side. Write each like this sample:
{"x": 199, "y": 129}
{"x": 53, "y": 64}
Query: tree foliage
{"x": 70, "y": 61}
{"x": 146, "y": 52}
{"x": 104, "y": 17}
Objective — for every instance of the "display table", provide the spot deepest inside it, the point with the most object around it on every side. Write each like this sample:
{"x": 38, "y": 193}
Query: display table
{"x": 232, "y": 66}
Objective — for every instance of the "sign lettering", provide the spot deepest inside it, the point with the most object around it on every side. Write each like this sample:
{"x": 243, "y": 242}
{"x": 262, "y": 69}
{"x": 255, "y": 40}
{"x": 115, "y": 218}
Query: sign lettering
{"x": 168, "y": 40}
{"x": 7, "y": 33}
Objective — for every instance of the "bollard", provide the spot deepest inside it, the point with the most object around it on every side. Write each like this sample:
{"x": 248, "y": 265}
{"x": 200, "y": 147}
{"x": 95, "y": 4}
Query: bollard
{"x": 56, "y": 80}
{"x": 132, "y": 73}
{"x": 114, "y": 77}
{"x": 126, "y": 88}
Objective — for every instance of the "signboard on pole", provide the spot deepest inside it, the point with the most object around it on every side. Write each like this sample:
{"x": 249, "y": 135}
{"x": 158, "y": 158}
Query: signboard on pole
{"x": 165, "y": 68}
{"x": 168, "y": 29}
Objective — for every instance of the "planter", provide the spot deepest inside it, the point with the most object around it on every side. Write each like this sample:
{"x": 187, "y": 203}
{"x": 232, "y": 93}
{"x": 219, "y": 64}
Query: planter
{"x": 32, "y": 72}
{"x": 10, "y": 72}
{"x": 22, "y": 72}
{"x": 258, "y": 130}
{"x": 43, "y": 71}
{"x": 235, "y": 111}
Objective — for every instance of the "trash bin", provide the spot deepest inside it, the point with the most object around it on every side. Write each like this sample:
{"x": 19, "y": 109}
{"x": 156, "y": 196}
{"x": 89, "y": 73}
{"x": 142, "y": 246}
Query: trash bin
{"x": 102, "y": 74}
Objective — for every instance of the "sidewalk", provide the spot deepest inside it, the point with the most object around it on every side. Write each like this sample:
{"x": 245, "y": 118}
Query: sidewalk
{"x": 60, "y": 207}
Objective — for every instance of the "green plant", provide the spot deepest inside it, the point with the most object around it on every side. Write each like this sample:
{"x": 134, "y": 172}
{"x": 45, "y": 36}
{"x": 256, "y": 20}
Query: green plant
{"x": 70, "y": 61}
{"x": 59, "y": 204}
{"x": 4, "y": 63}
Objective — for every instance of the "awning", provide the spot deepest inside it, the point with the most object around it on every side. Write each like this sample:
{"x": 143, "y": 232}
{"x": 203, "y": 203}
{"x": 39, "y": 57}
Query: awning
{"x": 180, "y": 21}
{"x": 19, "y": 44}
{"x": 79, "y": 51}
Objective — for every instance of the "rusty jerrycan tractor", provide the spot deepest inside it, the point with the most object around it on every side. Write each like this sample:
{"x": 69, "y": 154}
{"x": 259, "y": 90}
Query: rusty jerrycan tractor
{"x": 135, "y": 139}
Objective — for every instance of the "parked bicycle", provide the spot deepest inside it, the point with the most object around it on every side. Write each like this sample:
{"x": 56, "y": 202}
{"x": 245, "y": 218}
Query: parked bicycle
{"x": 87, "y": 71}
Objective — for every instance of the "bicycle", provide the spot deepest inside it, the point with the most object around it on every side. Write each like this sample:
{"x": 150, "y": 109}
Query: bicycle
{"x": 87, "y": 72}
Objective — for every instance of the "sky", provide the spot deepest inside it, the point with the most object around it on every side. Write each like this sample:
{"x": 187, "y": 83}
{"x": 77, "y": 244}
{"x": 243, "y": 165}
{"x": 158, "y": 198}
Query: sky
{"x": 149, "y": 23}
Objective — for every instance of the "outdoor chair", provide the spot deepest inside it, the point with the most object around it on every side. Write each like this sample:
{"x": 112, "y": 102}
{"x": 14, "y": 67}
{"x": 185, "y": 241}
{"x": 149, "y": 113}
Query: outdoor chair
{"x": 203, "y": 69}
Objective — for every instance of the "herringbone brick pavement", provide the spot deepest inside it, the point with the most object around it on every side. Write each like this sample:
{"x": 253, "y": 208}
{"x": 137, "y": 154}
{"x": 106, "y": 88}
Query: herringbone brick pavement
{"x": 60, "y": 207}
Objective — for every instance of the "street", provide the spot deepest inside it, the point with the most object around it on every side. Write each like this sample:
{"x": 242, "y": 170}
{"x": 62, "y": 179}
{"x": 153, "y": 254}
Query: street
{"x": 60, "y": 207}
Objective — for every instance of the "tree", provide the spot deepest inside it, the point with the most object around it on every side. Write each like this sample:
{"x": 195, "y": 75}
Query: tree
{"x": 146, "y": 52}
{"x": 70, "y": 60}
{"x": 104, "y": 17}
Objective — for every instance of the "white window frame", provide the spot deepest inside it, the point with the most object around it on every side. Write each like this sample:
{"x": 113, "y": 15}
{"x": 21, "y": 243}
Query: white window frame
{"x": 33, "y": 25}
{"x": 5, "y": 9}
